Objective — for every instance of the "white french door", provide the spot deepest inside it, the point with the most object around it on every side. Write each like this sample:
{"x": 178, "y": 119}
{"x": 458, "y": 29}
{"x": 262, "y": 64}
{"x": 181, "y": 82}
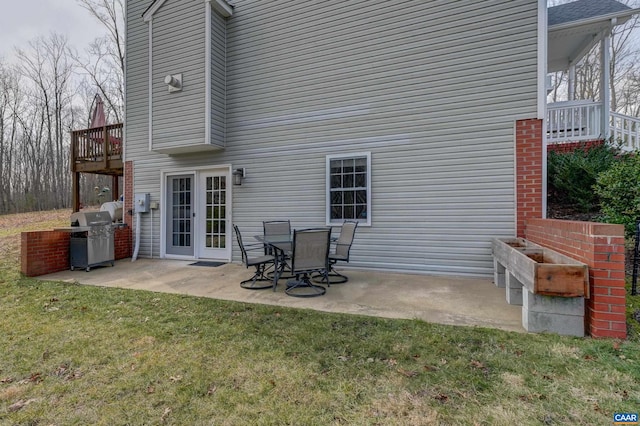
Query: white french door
{"x": 180, "y": 215}
{"x": 213, "y": 217}
{"x": 198, "y": 219}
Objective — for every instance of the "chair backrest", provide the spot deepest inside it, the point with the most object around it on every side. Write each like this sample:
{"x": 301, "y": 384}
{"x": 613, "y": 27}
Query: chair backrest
{"x": 343, "y": 245}
{"x": 310, "y": 250}
{"x": 277, "y": 227}
{"x": 242, "y": 249}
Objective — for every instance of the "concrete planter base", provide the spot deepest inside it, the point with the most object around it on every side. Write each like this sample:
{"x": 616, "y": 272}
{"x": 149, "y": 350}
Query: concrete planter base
{"x": 549, "y": 286}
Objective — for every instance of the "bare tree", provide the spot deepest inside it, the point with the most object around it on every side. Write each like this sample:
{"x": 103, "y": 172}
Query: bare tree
{"x": 47, "y": 92}
{"x": 624, "y": 67}
{"x": 624, "y": 55}
{"x": 558, "y": 83}
{"x": 48, "y": 68}
{"x": 105, "y": 60}
{"x": 10, "y": 100}
{"x": 630, "y": 95}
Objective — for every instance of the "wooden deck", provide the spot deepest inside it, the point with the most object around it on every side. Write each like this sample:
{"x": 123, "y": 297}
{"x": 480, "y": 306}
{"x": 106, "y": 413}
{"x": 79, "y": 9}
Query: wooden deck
{"x": 97, "y": 150}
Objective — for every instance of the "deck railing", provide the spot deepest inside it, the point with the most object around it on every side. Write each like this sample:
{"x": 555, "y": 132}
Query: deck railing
{"x": 577, "y": 121}
{"x": 98, "y": 145}
{"x": 625, "y": 130}
{"x": 573, "y": 121}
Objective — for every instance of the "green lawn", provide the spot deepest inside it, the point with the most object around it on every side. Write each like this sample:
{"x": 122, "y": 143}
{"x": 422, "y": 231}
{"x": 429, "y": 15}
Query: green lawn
{"x": 88, "y": 355}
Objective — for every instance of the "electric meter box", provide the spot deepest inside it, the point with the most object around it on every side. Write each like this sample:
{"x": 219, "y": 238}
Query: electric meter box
{"x": 142, "y": 203}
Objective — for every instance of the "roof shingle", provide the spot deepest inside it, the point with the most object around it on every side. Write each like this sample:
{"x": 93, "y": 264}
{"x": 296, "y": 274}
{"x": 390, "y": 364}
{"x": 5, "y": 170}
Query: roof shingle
{"x": 583, "y": 9}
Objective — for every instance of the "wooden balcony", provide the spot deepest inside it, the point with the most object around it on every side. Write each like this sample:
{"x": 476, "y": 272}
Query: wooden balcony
{"x": 98, "y": 150}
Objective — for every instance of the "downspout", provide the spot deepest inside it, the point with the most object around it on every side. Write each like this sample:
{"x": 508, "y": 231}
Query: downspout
{"x": 137, "y": 247}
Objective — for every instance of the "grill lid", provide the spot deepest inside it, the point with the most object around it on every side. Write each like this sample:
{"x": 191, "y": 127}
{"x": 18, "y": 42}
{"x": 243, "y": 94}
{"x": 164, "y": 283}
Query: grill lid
{"x": 90, "y": 218}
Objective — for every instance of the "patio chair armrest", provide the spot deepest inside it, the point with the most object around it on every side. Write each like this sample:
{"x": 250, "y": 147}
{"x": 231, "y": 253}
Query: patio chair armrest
{"x": 254, "y": 246}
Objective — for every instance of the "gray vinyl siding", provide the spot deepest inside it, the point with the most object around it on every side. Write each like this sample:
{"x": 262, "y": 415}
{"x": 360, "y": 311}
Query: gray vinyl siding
{"x": 137, "y": 105}
{"x": 218, "y": 77}
{"x": 432, "y": 89}
{"x": 179, "y": 47}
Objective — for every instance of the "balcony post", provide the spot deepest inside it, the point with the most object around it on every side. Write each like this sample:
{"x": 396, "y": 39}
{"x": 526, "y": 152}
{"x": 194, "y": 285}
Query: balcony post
{"x": 605, "y": 86}
{"x": 75, "y": 191}
{"x": 115, "y": 188}
{"x": 571, "y": 83}
{"x": 105, "y": 146}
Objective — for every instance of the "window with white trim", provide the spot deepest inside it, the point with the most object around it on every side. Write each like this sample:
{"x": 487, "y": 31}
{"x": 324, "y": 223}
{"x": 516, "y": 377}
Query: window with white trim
{"x": 349, "y": 188}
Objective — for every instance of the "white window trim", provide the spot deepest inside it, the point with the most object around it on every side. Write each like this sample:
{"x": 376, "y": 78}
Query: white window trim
{"x": 330, "y": 157}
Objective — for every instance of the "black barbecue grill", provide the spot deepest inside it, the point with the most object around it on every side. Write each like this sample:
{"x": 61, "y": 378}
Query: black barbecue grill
{"x": 92, "y": 240}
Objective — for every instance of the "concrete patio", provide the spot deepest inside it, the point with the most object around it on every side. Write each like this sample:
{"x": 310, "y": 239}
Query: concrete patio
{"x": 443, "y": 300}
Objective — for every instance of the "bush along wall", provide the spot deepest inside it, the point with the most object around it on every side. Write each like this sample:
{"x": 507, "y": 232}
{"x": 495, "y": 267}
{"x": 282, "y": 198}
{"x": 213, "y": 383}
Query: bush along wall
{"x": 618, "y": 188}
{"x": 573, "y": 174}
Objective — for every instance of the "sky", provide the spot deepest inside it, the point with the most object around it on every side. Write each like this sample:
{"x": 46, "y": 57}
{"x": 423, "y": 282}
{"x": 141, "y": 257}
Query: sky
{"x": 24, "y": 20}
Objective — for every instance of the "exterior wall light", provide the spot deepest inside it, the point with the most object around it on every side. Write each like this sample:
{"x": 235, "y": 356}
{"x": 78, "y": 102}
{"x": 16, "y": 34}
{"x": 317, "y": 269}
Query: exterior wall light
{"x": 174, "y": 82}
{"x": 238, "y": 175}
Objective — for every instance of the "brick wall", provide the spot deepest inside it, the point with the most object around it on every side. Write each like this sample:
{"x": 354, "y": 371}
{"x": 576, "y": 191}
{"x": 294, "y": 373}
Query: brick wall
{"x": 128, "y": 194}
{"x": 572, "y": 146}
{"x": 46, "y": 252}
{"x": 601, "y": 247}
{"x": 122, "y": 243}
{"x": 528, "y": 172}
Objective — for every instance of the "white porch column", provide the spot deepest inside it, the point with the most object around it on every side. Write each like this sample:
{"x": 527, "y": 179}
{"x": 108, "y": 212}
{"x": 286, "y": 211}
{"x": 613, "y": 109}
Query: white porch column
{"x": 571, "y": 83}
{"x": 605, "y": 78}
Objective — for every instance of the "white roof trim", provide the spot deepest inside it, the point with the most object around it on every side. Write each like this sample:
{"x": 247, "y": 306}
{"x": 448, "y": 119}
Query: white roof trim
{"x": 148, "y": 14}
{"x": 220, "y": 6}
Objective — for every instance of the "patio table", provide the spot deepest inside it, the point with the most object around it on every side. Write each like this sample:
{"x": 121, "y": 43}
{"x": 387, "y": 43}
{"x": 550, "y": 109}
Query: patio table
{"x": 280, "y": 244}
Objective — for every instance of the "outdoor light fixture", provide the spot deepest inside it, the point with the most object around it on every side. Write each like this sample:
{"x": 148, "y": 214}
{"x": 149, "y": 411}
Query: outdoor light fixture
{"x": 174, "y": 82}
{"x": 238, "y": 175}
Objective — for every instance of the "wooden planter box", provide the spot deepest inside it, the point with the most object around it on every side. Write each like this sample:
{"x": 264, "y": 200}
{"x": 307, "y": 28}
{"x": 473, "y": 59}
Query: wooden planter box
{"x": 541, "y": 270}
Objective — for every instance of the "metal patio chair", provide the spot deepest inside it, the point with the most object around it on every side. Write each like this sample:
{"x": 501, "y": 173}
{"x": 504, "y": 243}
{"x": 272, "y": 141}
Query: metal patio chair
{"x": 278, "y": 228}
{"x": 342, "y": 248}
{"x": 259, "y": 280}
{"x": 309, "y": 255}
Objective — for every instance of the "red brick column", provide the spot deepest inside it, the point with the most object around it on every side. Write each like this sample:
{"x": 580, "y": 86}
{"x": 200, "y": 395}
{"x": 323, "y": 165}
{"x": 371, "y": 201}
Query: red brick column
{"x": 601, "y": 247}
{"x": 528, "y": 172}
{"x": 128, "y": 194}
{"x": 44, "y": 252}
{"x": 122, "y": 243}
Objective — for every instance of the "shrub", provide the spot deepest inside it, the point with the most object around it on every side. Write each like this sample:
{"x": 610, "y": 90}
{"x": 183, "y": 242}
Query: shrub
{"x": 572, "y": 175}
{"x": 619, "y": 192}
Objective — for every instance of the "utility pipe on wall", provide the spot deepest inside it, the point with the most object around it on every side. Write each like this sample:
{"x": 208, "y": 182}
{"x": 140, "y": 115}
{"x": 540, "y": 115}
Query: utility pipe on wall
{"x": 137, "y": 247}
